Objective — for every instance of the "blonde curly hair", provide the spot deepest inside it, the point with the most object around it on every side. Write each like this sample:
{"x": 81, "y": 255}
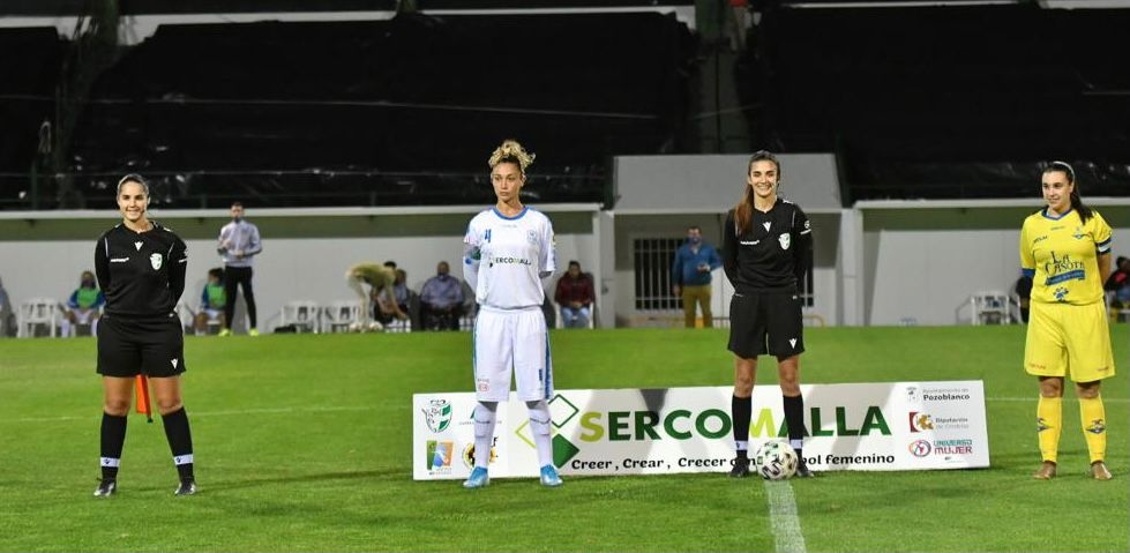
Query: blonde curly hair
{"x": 513, "y": 152}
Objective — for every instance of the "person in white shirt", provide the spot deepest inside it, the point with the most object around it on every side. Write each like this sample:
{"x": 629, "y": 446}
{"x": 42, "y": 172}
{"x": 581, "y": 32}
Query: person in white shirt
{"x": 239, "y": 243}
{"x": 508, "y": 257}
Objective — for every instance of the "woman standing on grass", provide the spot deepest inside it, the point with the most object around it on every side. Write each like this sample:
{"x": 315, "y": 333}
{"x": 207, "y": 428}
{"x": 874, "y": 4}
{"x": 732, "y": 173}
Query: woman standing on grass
{"x": 509, "y": 252}
{"x": 766, "y": 252}
{"x": 141, "y": 268}
{"x": 1065, "y": 248}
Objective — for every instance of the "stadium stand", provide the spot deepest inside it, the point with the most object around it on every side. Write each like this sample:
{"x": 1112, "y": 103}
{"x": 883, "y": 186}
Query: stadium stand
{"x": 392, "y": 112}
{"x": 30, "y": 69}
{"x": 946, "y": 102}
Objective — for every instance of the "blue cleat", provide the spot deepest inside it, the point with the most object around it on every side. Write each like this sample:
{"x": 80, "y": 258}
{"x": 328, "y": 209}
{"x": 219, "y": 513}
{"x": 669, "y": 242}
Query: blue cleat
{"x": 478, "y": 479}
{"x": 549, "y": 477}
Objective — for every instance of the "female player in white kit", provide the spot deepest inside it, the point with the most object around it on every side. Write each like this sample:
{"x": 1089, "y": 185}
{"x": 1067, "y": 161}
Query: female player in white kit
{"x": 509, "y": 252}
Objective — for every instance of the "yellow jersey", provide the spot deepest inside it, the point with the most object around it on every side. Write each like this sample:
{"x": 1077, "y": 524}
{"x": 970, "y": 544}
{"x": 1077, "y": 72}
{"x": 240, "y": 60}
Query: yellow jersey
{"x": 1061, "y": 255}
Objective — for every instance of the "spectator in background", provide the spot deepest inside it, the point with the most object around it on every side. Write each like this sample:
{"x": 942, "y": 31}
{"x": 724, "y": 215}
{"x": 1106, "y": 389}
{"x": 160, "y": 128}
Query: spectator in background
{"x": 441, "y": 300}
{"x": 239, "y": 244}
{"x": 213, "y": 300}
{"x": 690, "y": 276}
{"x": 575, "y": 294}
{"x": 399, "y": 294}
{"x": 1024, "y": 292}
{"x": 379, "y": 278}
{"x": 1117, "y": 287}
{"x": 84, "y": 307}
{"x": 7, "y": 316}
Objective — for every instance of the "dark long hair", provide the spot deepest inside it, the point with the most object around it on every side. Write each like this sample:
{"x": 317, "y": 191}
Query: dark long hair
{"x": 743, "y": 212}
{"x": 1076, "y": 200}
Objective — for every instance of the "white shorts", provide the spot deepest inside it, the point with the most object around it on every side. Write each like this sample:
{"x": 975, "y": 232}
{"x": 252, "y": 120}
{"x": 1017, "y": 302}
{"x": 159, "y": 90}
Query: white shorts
{"x": 512, "y": 339}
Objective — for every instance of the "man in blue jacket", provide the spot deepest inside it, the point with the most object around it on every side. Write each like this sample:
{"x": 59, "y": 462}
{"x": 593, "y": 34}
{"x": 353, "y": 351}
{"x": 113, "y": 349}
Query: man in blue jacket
{"x": 690, "y": 276}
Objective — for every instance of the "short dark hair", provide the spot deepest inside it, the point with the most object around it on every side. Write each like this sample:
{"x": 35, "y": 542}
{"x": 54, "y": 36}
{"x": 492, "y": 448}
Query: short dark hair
{"x": 217, "y": 272}
{"x": 575, "y": 262}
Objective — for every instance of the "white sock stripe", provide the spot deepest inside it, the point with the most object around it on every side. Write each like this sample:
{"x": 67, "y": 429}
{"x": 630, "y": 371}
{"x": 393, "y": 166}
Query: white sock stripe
{"x": 783, "y": 518}
{"x": 179, "y": 460}
{"x": 109, "y": 462}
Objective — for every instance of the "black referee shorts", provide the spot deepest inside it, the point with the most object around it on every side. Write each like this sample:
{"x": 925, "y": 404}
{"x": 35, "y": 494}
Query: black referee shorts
{"x": 766, "y": 322}
{"x": 128, "y": 347}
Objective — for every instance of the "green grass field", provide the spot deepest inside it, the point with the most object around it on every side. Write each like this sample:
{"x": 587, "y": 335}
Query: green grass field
{"x": 303, "y": 444}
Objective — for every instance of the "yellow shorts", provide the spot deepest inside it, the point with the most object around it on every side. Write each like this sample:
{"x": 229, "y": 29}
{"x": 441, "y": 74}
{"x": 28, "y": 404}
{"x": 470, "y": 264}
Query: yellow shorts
{"x": 1069, "y": 340}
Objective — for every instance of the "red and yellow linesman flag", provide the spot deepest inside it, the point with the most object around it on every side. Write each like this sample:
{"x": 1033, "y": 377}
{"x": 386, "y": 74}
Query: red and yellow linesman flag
{"x": 143, "y": 404}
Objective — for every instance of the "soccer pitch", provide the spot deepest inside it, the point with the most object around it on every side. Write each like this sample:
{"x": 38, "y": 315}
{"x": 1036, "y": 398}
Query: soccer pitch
{"x": 303, "y": 443}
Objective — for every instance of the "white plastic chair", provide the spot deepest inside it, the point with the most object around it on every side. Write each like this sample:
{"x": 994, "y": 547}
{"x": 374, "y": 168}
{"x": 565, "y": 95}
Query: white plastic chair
{"x": 304, "y": 315}
{"x": 339, "y": 315}
{"x": 990, "y": 307}
{"x": 39, "y": 311}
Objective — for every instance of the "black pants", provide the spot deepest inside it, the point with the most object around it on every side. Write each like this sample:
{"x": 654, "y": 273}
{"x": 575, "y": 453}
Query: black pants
{"x": 440, "y": 319}
{"x": 233, "y": 278}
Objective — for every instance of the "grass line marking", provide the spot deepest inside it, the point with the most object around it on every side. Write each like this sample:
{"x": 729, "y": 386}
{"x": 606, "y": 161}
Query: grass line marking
{"x": 783, "y": 518}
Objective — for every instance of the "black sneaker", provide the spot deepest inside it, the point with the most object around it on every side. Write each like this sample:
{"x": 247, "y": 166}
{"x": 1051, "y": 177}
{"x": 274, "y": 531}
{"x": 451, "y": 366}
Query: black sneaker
{"x": 106, "y": 487}
{"x": 802, "y": 469}
{"x": 186, "y": 487}
{"x": 741, "y": 468}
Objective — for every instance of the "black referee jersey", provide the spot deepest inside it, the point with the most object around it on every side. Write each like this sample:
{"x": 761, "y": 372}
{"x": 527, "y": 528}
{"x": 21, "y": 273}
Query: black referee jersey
{"x": 141, "y": 274}
{"x": 773, "y": 255}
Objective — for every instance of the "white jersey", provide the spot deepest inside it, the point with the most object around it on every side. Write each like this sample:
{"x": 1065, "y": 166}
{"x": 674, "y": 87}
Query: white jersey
{"x": 506, "y": 258}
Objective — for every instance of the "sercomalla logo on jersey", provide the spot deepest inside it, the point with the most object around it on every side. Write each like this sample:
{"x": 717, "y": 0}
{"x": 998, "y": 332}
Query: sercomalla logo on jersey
{"x": 508, "y": 260}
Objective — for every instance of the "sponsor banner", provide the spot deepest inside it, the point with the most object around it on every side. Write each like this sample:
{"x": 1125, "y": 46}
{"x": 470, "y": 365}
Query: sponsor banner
{"x": 872, "y": 426}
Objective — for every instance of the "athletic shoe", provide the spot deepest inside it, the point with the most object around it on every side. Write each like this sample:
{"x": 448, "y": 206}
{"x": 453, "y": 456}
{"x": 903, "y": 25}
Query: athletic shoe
{"x": 106, "y": 487}
{"x": 741, "y": 468}
{"x": 1047, "y": 471}
{"x": 225, "y": 332}
{"x": 187, "y": 487}
{"x": 549, "y": 477}
{"x": 478, "y": 479}
{"x": 802, "y": 469}
{"x": 1099, "y": 471}
{"x": 253, "y": 332}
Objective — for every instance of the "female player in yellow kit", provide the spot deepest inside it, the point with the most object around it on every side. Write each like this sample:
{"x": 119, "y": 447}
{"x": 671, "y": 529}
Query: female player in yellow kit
{"x": 1065, "y": 248}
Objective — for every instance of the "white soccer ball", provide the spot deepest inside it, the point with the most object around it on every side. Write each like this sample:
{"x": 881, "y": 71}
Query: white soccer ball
{"x": 356, "y": 327}
{"x": 775, "y": 460}
{"x": 375, "y": 327}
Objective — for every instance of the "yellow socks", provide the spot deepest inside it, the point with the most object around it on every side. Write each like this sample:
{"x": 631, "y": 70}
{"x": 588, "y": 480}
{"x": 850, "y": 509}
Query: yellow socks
{"x": 1093, "y": 414}
{"x": 1049, "y": 423}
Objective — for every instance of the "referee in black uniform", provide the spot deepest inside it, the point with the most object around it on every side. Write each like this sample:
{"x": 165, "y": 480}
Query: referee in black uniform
{"x": 141, "y": 268}
{"x": 766, "y": 251}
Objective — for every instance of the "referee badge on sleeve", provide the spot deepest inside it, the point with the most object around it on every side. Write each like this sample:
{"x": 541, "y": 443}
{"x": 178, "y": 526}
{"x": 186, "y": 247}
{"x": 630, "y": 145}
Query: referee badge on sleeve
{"x": 155, "y": 260}
{"x": 785, "y": 239}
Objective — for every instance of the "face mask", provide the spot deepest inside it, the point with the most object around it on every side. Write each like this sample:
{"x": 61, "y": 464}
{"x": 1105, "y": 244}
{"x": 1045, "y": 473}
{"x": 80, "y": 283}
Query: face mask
{"x": 695, "y": 239}
{"x": 87, "y": 283}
